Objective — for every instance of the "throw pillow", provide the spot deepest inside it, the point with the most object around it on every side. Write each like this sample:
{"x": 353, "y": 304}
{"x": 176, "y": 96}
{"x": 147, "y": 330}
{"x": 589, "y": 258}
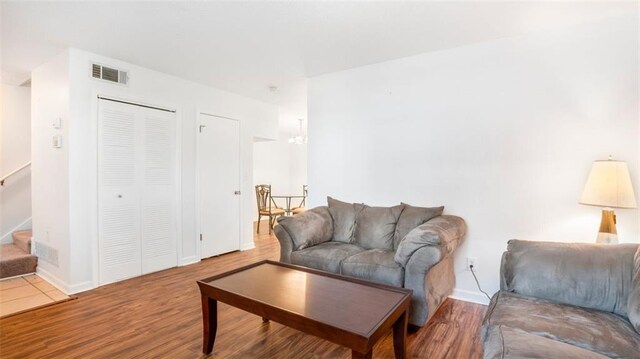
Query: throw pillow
{"x": 413, "y": 217}
{"x": 375, "y": 226}
{"x": 445, "y": 232}
{"x": 308, "y": 228}
{"x": 344, "y": 219}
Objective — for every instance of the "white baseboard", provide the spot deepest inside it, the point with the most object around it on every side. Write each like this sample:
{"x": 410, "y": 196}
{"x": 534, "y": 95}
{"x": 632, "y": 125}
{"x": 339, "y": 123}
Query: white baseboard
{"x": 469, "y": 296}
{"x": 7, "y": 238}
{"x": 189, "y": 260}
{"x": 53, "y": 280}
{"x": 247, "y": 246}
{"x": 62, "y": 286}
{"x": 81, "y": 287}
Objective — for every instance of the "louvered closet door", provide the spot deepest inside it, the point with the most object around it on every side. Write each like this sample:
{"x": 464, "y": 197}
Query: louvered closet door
{"x": 119, "y": 177}
{"x": 136, "y": 190}
{"x": 158, "y": 191}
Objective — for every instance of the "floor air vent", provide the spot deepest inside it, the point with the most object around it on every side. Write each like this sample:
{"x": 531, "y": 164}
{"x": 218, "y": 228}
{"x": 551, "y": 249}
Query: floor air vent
{"x": 109, "y": 74}
{"x": 47, "y": 253}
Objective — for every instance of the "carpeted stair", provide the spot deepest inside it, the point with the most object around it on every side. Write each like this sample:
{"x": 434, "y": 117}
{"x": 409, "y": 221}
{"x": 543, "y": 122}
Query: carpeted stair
{"x": 16, "y": 258}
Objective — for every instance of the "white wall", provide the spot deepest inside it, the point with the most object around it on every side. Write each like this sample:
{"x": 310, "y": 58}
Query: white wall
{"x": 50, "y": 166}
{"x": 257, "y": 120}
{"x": 502, "y": 133}
{"x": 15, "y": 150}
{"x": 297, "y": 168}
{"x": 293, "y": 106}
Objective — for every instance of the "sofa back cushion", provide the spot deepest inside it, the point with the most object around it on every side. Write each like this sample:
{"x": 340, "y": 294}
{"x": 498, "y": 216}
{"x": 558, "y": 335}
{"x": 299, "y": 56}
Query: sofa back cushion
{"x": 308, "y": 228}
{"x": 410, "y": 218}
{"x": 376, "y": 226}
{"x": 587, "y": 275}
{"x": 633, "y": 307}
{"x": 344, "y": 219}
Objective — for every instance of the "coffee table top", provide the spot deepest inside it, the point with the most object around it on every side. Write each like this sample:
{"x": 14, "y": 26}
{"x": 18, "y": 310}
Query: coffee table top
{"x": 347, "y": 303}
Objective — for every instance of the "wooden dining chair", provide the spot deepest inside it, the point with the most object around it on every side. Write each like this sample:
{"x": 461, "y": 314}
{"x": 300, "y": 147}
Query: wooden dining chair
{"x": 267, "y": 206}
{"x": 303, "y": 203}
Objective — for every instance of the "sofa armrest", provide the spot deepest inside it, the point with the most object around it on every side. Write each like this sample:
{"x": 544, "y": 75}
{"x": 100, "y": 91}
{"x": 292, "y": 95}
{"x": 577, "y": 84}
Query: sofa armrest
{"x": 431, "y": 277}
{"x": 286, "y": 243}
{"x": 446, "y": 232}
{"x": 583, "y": 274}
{"x": 303, "y": 230}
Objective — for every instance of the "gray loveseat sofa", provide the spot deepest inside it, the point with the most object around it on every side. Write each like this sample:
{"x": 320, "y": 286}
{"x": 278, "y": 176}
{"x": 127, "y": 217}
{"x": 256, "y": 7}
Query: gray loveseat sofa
{"x": 561, "y": 300}
{"x": 403, "y": 246}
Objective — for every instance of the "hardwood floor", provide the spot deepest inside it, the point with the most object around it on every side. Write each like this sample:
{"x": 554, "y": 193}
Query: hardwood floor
{"x": 159, "y": 316}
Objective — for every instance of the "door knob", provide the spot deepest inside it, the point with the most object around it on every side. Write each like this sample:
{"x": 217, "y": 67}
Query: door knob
{"x": 237, "y": 193}
{"x": 119, "y": 196}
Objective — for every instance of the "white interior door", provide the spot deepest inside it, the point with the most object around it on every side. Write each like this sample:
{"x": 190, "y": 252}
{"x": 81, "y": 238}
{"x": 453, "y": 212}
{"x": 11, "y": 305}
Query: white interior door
{"x": 219, "y": 182}
{"x": 136, "y": 190}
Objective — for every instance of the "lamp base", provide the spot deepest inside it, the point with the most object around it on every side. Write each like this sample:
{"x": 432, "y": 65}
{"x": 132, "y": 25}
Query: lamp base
{"x": 607, "y": 232}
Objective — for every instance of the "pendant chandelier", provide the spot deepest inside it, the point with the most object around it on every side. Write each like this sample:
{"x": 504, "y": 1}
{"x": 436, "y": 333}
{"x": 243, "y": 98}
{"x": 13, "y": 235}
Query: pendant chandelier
{"x": 301, "y": 138}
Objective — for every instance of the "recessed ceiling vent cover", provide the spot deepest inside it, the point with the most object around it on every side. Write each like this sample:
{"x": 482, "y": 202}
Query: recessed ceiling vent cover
{"x": 109, "y": 74}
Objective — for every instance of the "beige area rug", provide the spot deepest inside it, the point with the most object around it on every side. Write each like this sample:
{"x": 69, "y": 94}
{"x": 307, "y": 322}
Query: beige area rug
{"x": 27, "y": 292}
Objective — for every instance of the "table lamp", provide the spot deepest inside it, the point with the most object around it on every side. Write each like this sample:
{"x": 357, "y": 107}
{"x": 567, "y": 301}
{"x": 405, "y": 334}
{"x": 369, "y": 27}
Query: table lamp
{"x": 608, "y": 186}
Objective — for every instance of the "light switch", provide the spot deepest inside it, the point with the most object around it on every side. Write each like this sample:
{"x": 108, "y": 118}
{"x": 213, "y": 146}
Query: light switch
{"x": 57, "y": 141}
{"x": 57, "y": 123}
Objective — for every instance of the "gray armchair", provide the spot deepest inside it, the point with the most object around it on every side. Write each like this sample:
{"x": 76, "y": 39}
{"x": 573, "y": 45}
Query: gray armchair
{"x": 565, "y": 300}
{"x": 403, "y": 246}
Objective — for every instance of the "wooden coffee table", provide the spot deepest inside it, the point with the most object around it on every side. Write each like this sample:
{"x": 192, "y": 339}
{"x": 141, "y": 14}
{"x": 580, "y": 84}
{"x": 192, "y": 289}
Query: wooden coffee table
{"x": 344, "y": 310}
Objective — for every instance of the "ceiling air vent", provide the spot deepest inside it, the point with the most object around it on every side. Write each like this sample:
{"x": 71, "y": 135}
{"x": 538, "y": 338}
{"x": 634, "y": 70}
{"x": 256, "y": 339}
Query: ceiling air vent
{"x": 109, "y": 74}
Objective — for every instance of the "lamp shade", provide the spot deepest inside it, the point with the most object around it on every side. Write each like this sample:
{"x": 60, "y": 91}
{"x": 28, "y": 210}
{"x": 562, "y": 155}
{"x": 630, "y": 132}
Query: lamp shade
{"x": 609, "y": 185}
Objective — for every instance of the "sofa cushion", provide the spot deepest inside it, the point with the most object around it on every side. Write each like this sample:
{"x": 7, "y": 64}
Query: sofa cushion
{"x": 376, "y": 265}
{"x": 411, "y": 217}
{"x": 375, "y": 226}
{"x": 584, "y": 274}
{"x": 597, "y": 331}
{"x": 633, "y": 307}
{"x": 308, "y": 228}
{"x": 325, "y": 256}
{"x": 344, "y": 219}
{"x": 504, "y": 342}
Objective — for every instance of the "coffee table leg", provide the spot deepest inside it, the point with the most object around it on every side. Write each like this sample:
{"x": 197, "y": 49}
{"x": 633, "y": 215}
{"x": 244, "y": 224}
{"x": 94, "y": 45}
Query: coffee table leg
{"x": 358, "y": 355}
{"x": 209, "y": 323}
{"x": 265, "y": 320}
{"x": 400, "y": 336}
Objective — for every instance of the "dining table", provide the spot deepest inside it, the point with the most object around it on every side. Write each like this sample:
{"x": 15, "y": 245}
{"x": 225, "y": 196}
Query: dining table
{"x": 288, "y": 198}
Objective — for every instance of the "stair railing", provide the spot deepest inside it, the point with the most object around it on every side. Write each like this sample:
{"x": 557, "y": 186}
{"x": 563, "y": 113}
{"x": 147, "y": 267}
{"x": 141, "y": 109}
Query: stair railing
{"x": 14, "y": 172}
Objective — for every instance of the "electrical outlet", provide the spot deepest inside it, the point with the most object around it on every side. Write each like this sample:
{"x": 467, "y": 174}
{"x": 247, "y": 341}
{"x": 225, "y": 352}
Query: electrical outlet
{"x": 471, "y": 261}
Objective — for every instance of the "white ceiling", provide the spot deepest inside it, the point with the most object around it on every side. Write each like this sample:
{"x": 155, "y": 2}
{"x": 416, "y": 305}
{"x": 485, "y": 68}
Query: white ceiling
{"x": 244, "y": 47}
